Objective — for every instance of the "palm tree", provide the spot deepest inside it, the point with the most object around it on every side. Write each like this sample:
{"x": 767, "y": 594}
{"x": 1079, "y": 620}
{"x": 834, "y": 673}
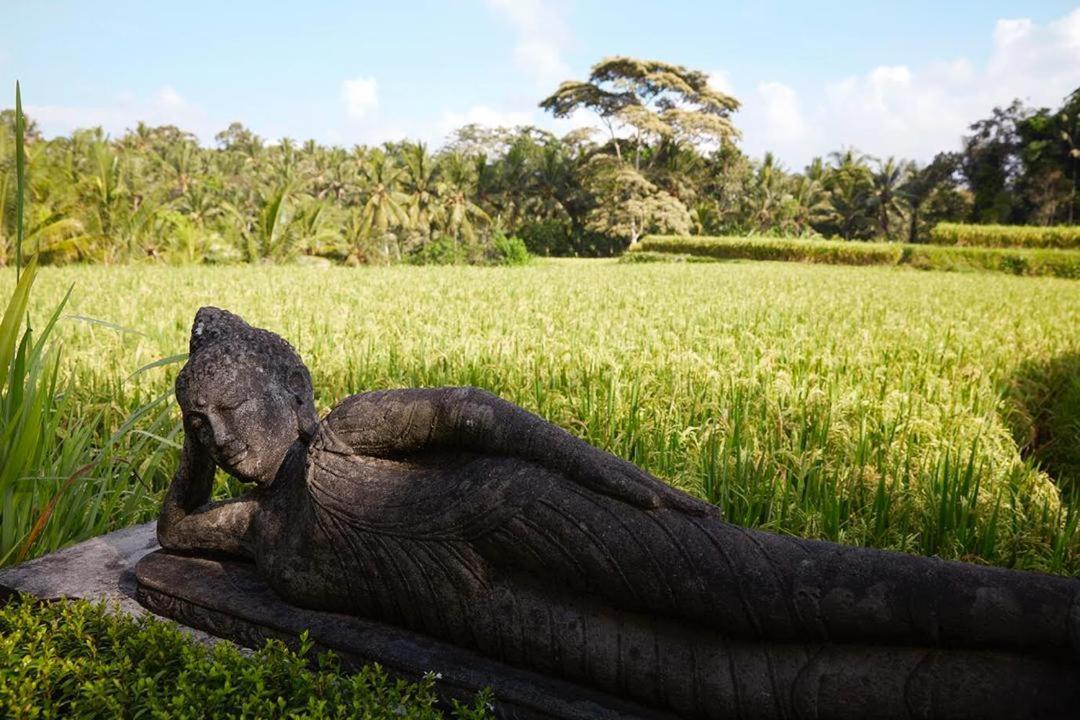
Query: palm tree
{"x": 270, "y": 235}
{"x": 887, "y": 194}
{"x": 384, "y": 208}
{"x": 420, "y": 184}
{"x": 178, "y": 164}
{"x": 919, "y": 185}
{"x": 810, "y": 202}
{"x": 460, "y": 215}
{"x": 848, "y": 205}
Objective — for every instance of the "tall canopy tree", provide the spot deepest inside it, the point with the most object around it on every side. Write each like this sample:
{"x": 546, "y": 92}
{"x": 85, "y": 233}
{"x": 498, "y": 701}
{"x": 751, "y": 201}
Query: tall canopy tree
{"x": 653, "y": 102}
{"x": 653, "y": 99}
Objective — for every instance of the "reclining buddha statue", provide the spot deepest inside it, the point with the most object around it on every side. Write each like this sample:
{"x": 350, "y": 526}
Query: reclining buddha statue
{"x": 458, "y": 515}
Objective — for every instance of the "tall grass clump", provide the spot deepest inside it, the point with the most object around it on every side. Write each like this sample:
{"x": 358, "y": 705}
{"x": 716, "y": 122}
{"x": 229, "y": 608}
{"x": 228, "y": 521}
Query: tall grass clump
{"x": 64, "y": 475}
{"x": 1014, "y": 236}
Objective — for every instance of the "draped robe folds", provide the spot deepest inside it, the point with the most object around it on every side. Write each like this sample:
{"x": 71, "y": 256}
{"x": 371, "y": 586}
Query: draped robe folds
{"x": 685, "y": 611}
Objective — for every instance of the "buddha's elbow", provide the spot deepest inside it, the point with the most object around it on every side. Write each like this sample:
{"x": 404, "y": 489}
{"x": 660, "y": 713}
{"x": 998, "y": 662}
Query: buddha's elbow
{"x": 168, "y": 532}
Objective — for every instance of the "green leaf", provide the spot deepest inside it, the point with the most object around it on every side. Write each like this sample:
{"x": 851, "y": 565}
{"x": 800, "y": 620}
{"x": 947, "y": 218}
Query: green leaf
{"x": 12, "y": 320}
{"x": 158, "y": 363}
{"x": 20, "y": 175}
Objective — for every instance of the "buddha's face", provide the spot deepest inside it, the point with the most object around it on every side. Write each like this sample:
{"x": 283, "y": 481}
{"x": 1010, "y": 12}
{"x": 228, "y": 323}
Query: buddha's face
{"x": 245, "y": 420}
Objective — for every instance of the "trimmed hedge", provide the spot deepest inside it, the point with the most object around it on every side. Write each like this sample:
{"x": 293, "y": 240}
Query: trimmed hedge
{"x": 79, "y": 660}
{"x": 833, "y": 252}
{"x": 1006, "y": 236}
{"x": 1057, "y": 263}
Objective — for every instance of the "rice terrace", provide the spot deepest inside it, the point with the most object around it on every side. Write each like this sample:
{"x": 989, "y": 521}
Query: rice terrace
{"x": 860, "y": 349}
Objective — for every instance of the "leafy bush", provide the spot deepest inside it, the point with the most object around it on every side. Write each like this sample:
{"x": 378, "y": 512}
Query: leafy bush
{"x": 547, "y": 237}
{"x": 1057, "y": 263}
{"x": 509, "y": 250}
{"x": 651, "y": 256}
{"x": 1006, "y": 236}
{"x": 443, "y": 250}
{"x": 557, "y": 238}
{"x": 79, "y": 660}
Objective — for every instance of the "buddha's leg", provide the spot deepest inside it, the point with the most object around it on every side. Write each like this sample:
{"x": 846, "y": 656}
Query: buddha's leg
{"x": 760, "y": 585}
{"x": 699, "y": 673}
{"x": 845, "y": 594}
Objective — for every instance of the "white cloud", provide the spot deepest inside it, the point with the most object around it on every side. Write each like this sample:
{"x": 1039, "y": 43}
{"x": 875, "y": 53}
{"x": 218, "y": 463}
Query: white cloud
{"x": 168, "y": 97}
{"x": 720, "y": 80}
{"x": 541, "y": 37}
{"x": 915, "y": 112}
{"x": 165, "y": 106}
{"x": 360, "y": 96}
{"x": 782, "y": 116}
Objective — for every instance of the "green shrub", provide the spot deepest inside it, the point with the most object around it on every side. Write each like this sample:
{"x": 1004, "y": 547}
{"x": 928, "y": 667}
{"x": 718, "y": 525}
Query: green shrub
{"x": 443, "y": 250}
{"x": 547, "y": 237}
{"x": 78, "y": 660}
{"x": 1057, "y": 263}
{"x": 650, "y": 256}
{"x": 1006, "y": 236}
{"x": 508, "y": 250}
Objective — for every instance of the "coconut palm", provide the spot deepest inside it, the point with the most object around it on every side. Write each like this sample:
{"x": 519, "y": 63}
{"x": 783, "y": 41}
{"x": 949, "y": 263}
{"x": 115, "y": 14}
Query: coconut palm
{"x": 420, "y": 183}
{"x": 385, "y": 206}
{"x": 887, "y": 193}
{"x": 460, "y": 215}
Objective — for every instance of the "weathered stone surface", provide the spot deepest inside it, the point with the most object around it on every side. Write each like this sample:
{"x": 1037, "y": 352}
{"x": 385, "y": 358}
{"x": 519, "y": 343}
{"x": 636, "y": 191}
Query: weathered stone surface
{"x": 741, "y": 679}
{"x": 460, "y": 516}
{"x": 101, "y": 568}
{"x": 228, "y": 598}
{"x": 98, "y": 569}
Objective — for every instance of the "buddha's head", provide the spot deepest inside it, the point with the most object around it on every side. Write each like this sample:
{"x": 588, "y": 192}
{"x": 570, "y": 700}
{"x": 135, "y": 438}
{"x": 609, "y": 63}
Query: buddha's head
{"x": 245, "y": 395}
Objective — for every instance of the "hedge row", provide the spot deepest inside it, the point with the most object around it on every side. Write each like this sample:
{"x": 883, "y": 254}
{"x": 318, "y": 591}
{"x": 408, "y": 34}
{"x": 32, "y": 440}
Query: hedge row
{"x": 78, "y": 660}
{"x": 1006, "y": 236}
{"x": 1057, "y": 263}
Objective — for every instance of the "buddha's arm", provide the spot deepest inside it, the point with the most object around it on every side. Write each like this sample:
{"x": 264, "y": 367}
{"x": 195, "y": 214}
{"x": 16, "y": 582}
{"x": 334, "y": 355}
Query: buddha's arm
{"x": 189, "y": 522}
{"x": 395, "y": 423}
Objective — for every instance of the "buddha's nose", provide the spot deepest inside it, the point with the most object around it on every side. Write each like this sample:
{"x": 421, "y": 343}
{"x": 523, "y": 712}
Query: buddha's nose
{"x": 222, "y": 437}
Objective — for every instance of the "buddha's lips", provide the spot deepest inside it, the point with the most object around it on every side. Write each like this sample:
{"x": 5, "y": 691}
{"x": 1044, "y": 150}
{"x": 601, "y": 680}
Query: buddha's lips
{"x": 235, "y": 458}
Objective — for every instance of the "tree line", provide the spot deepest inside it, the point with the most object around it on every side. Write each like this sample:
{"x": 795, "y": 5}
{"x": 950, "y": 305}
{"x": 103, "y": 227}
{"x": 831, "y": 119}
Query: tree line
{"x": 666, "y": 160}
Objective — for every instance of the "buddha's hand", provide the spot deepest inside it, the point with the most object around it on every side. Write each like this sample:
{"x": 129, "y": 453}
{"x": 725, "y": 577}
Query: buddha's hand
{"x": 612, "y": 476}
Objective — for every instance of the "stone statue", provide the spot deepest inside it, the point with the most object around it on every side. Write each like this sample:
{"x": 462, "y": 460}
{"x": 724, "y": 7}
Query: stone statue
{"x": 459, "y": 515}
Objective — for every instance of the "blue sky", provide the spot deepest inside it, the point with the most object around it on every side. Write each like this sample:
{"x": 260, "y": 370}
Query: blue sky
{"x": 888, "y": 78}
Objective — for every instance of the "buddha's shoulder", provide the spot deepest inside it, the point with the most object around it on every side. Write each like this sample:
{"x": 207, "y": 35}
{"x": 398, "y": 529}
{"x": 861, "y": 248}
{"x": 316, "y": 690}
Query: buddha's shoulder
{"x": 380, "y": 405}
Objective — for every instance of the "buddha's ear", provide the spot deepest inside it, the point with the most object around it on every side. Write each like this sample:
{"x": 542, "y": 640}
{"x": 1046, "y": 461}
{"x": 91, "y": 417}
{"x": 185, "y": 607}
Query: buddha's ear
{"x": 298, "y": 384}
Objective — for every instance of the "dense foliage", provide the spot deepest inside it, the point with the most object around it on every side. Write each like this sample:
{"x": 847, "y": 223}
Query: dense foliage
{"x": 668, "y": 164}
{"x": 856, "y": 404}
{"x": 78, "y": 660}
{"x": 1057, "y": 263}
{"x": 60, "y": 466}
{"x": 1054, "y": 236}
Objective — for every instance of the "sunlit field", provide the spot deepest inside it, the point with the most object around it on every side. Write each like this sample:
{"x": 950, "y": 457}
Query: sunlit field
{"x": 871, "y": 406}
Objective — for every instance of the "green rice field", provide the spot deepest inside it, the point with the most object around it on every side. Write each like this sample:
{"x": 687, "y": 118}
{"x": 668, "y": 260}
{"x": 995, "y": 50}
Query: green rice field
{"x": 918, "y": 411}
